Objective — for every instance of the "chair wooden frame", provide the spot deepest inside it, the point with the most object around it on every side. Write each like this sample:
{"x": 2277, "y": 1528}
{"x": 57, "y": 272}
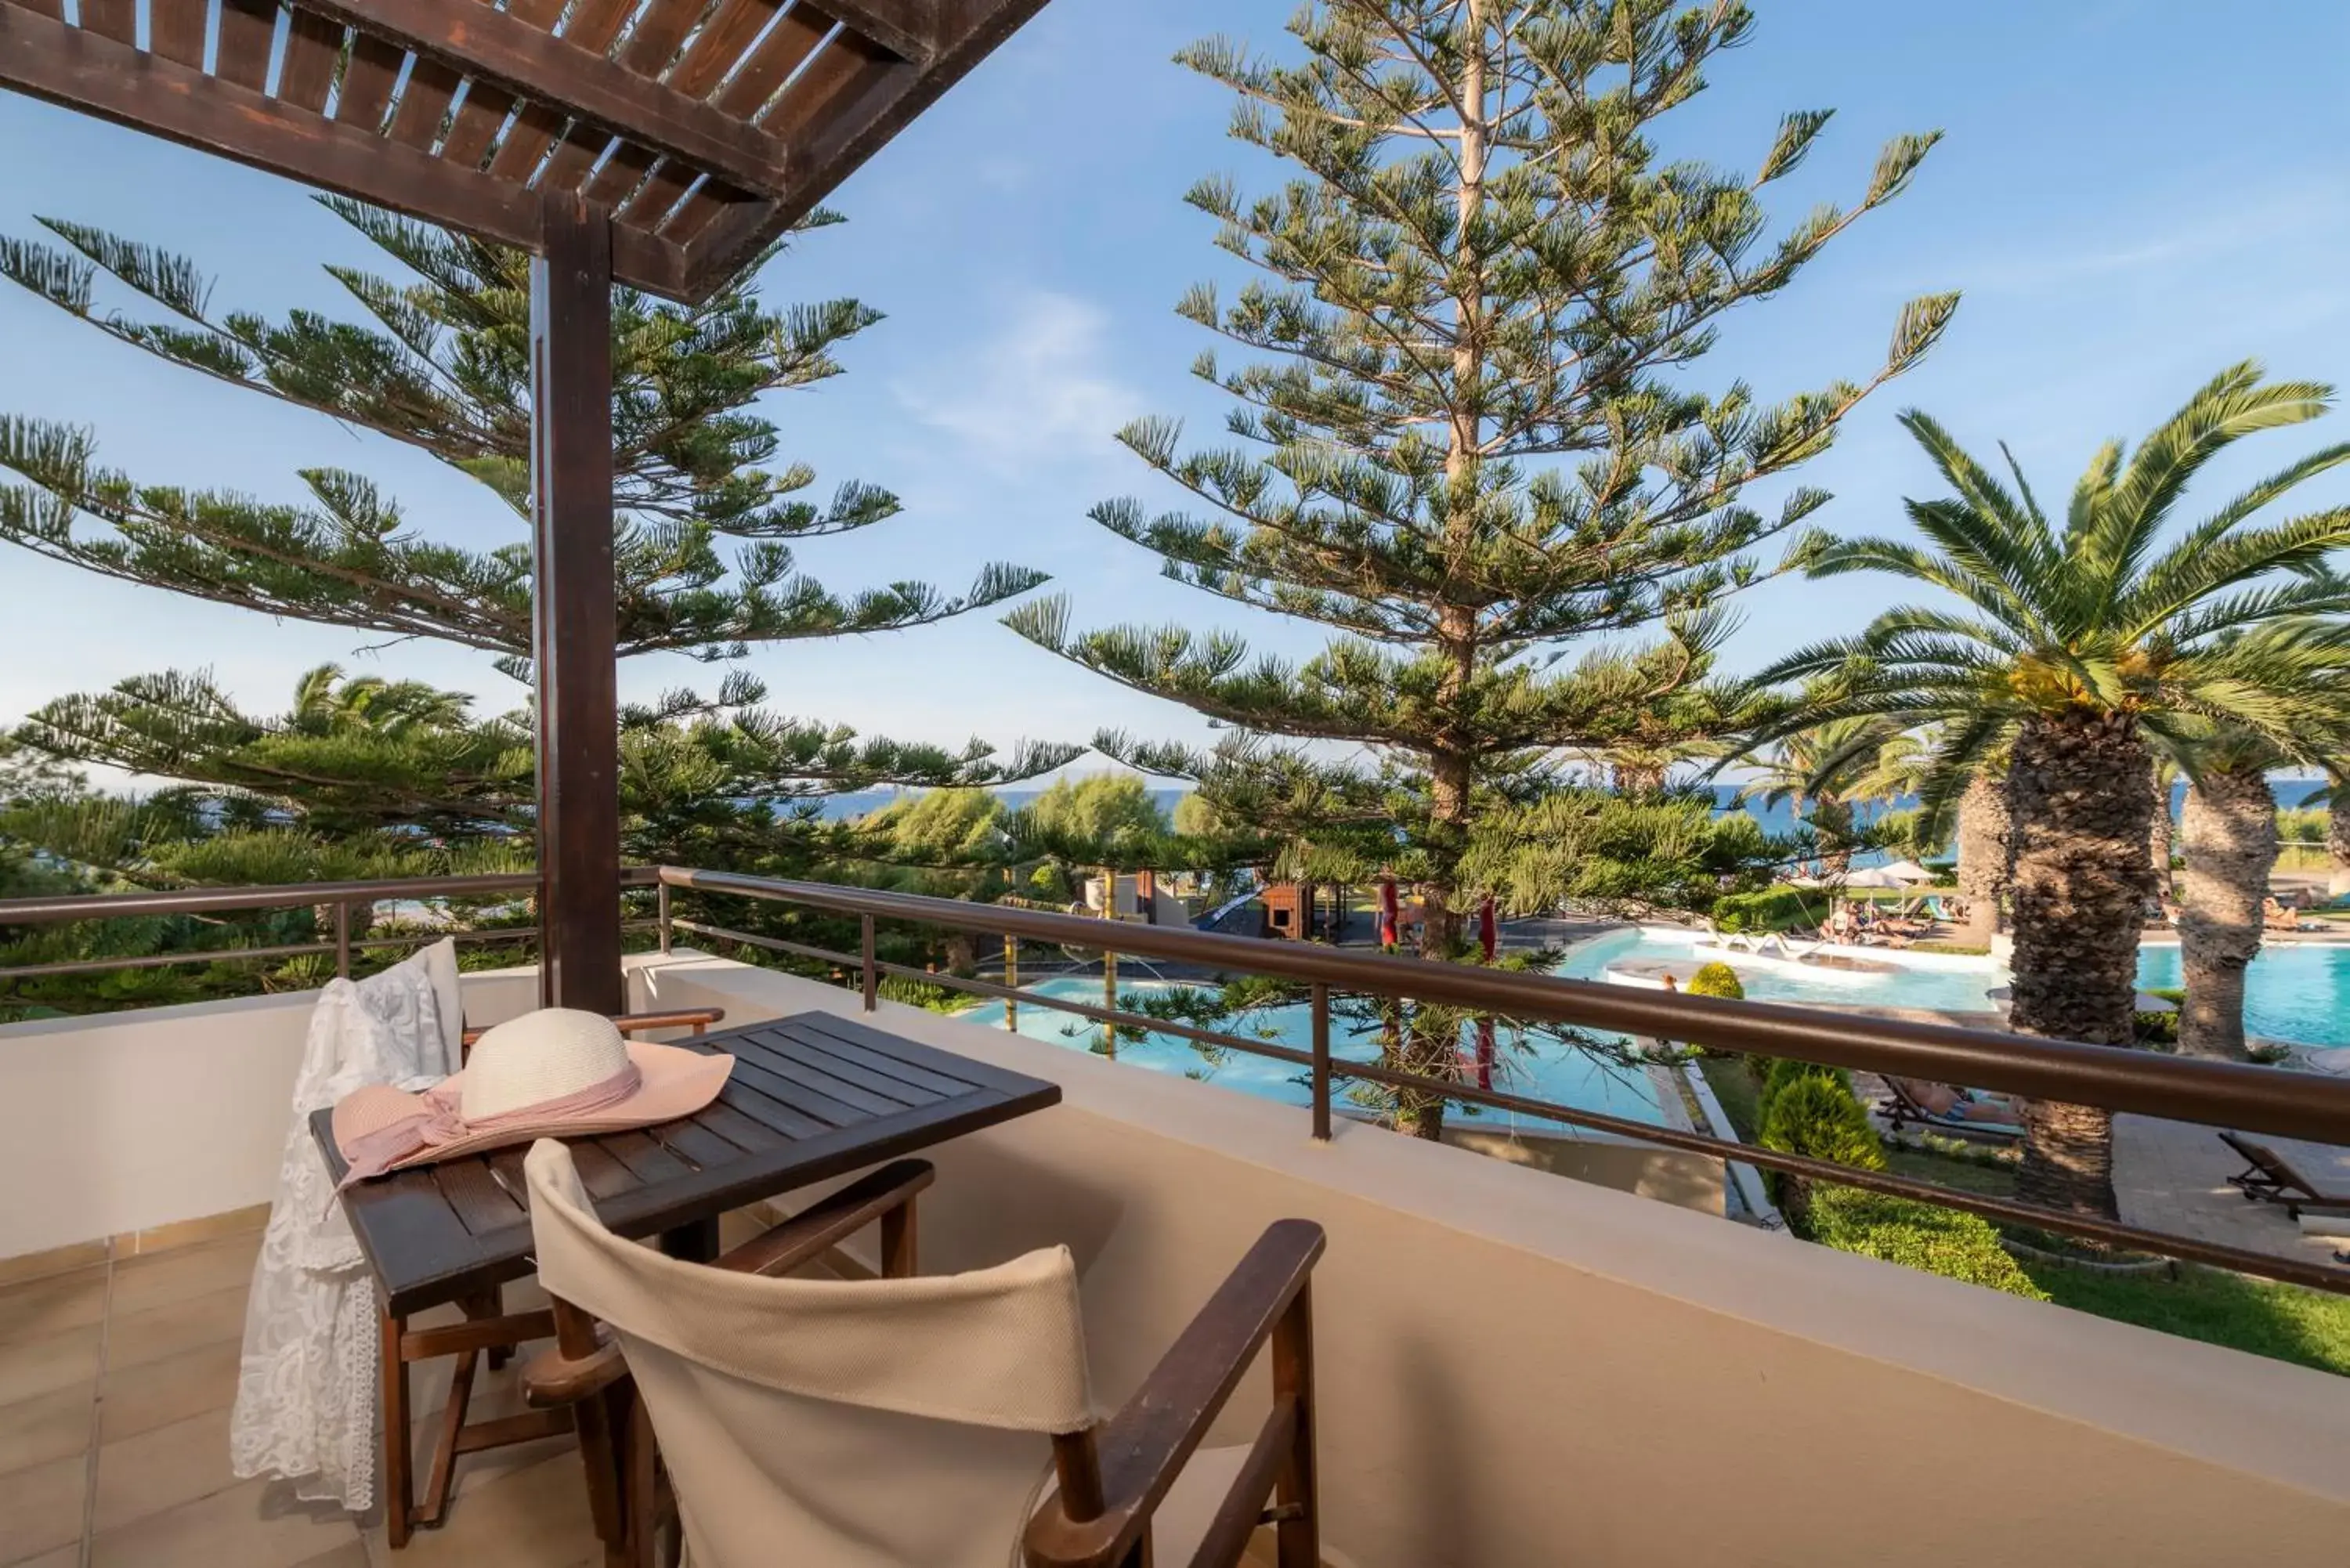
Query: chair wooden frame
{"x": 488, "y": 1329}
{"x": 1111, "y": 1476}
{"x": 1115, "y": 1473}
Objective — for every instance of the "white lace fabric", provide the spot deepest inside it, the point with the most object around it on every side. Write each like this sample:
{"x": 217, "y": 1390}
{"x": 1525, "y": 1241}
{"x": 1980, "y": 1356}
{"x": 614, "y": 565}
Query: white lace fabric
{"x": 306, "y": 1385}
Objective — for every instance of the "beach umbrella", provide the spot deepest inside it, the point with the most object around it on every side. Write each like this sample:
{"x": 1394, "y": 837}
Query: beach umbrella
{"x": 1909, "y": 871}
{"x": 1875, "y": 877}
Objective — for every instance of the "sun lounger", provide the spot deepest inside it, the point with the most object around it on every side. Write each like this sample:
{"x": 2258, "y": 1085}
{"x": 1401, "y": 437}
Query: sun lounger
{"x": 1903, "y": 1106}
{"x": 2276, "y": 917}
{"x": 2270, "y": 1177}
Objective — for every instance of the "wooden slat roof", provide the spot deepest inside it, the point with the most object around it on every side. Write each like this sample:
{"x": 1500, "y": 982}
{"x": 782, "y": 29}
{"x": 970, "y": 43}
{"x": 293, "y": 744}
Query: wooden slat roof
{"x": 706, "y": 127}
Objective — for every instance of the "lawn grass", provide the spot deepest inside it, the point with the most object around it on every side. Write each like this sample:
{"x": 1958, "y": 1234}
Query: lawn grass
{"x": 2286, "y": 1323}
{"x": 1735, "y": 1087}
{"x": 1985, "y": 1177}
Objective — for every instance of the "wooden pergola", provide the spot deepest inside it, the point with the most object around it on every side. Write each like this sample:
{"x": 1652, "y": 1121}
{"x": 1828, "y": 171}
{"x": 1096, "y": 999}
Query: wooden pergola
{"x": 658, "y": 144}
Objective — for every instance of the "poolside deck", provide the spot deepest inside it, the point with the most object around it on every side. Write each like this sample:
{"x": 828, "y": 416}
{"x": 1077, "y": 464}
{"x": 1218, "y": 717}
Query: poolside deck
{"x": 2173, "y": 1176}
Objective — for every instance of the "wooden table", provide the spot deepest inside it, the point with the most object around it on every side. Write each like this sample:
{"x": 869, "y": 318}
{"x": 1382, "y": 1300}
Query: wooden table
{"x": 812, "y": 1097}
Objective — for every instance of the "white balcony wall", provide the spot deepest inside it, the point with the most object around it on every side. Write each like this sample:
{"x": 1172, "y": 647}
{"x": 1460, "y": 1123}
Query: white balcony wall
{"x": 1518, "y": 1369}
{"x": 127, "y": 1121}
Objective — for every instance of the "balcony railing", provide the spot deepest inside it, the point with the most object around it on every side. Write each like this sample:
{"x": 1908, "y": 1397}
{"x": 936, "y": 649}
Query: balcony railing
{"x": 2215, "y": 1094}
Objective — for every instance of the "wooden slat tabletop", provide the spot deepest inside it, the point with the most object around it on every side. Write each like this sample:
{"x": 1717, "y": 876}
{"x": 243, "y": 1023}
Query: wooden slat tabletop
{"x": 811, "y": 1097}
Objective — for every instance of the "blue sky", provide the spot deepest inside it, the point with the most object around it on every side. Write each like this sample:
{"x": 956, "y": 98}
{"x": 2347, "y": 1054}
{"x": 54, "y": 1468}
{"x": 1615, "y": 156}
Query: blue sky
{"x": 2131, "y": 193}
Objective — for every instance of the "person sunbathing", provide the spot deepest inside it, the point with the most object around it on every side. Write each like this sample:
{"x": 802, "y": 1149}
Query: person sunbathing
{"x": 1950, "y": 1101}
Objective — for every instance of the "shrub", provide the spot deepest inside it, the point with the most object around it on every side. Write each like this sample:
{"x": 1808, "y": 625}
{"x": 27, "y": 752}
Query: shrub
{"x": 2158, "y": 1030}
{"x": 1816, "y": 1115}
{"x": 1917, "y": 1236}
{"x": 922, "y": 993}
{"x": 1770, "y": 910}
{"x": 1777, "y": 1073}
{"x": 1715, "y": 978}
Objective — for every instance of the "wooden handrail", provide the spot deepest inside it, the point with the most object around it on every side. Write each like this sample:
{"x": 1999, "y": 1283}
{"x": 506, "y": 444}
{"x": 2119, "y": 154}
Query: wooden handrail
{"x": 2217, "y": 1093}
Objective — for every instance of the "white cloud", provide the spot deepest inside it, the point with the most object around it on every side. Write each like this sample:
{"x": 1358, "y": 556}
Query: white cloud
{"x": 1037, "y": 391}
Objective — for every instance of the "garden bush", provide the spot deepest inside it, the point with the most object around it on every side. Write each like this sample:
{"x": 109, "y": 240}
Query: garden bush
{"x": 922, "y": 993}
{"x": 1771, "y": 909}
{"x": 1816, "y": 1115}
{"x": 1715, "y": 978}
{"x": 1777, "y": 1073}
{"x": 1917, "y": 1236}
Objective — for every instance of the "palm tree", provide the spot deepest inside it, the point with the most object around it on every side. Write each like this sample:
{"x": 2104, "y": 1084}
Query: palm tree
{"x": 1904, "y": 763}
{"x": 1819, "y": 770}
{"x": 2334, "y": 796}
{"x": 2072, "y": 646}
{"x": 2231, "y": 830}
{"x": 2158, "y": 846}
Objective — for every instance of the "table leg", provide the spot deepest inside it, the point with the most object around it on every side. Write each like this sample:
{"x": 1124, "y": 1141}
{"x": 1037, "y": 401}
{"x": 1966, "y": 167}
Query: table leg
{"x": 398, "y": 1501}
{"x": 696, "y": 1243}
{"x": 898, "y": 1261}
{"x": 492, "y": 1303}
{"x": 444, "y": 1453}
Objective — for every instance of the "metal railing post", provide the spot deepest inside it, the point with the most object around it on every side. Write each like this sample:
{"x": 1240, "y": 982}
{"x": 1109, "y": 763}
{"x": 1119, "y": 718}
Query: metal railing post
{"x": 1321, "y": 1008}
{"x": 662, "y": 915}
{"x": 1012, "y": 978}
{"x": 342, "y": 938}
{"x": 871, "y": 976}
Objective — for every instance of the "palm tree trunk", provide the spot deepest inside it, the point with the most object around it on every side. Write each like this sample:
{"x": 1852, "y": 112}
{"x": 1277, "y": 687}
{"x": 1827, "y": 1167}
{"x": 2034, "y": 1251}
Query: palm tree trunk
{"x": 2337, "y": 848}
{"x": 1982, "y": 856}
{"x": 2232, "y": 848}
{"x": 1832, "y": 820}
{"x": 2158, "y": 839}
{"x": 2077, "y": 797}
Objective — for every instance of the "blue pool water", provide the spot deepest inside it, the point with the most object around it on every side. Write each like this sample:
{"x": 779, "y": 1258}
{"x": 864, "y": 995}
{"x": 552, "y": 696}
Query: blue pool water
{"x": 2297, "y": 994}
{"x": 1550, "y": 1072}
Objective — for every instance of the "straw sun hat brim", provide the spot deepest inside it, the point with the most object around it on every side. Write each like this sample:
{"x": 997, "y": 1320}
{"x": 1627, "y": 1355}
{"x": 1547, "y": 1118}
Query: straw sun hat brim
{"x": 676, "y": 1082}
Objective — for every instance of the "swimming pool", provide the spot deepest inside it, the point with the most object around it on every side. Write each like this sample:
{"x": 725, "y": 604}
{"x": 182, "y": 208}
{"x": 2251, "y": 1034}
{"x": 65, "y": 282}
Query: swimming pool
{"x": 1550, "y": 1072}
{"x": 2299, "y": 993}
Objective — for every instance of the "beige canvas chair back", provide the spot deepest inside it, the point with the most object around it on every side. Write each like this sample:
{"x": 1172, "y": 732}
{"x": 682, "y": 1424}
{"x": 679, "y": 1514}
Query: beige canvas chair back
{"x": 880, "y": 1424}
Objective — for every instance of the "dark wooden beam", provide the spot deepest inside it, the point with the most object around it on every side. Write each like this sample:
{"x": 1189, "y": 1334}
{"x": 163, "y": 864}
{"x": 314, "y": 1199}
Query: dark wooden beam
{"x": 574, "y": 629}
{"x": 906, "y": 28}
{"x": 532, "y": 63}
{"x": 80, "y": 69}
{"x": 852, "y": 130}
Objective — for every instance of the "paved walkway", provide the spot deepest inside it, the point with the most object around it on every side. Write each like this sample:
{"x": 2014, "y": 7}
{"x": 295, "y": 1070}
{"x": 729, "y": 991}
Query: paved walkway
{"x": 2173, "y": 1176}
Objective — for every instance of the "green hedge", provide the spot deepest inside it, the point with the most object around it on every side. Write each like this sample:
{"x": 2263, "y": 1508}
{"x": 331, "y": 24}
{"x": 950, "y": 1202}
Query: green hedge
{"x": 1715, "y": 978}
{"x": 1778, "y": 1071}
{"x": 1815, "y": 1113}
{"x": 1771, "y": 909}
{"x": 1917, "y": 1236}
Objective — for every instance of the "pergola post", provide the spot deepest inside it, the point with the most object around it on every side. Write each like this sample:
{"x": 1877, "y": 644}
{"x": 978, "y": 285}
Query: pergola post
{"x": 575, "y": 621}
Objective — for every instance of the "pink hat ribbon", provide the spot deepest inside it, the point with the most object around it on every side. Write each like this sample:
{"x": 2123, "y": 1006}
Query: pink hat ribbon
{"x": 443, "y": 1122}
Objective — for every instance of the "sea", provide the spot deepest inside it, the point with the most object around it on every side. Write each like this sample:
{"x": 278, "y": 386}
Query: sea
{"x": 1774, "y": 818}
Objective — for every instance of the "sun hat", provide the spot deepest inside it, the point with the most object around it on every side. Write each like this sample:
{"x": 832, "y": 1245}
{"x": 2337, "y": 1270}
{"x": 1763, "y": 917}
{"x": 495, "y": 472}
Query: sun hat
{"x": 555, "y": 1072}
